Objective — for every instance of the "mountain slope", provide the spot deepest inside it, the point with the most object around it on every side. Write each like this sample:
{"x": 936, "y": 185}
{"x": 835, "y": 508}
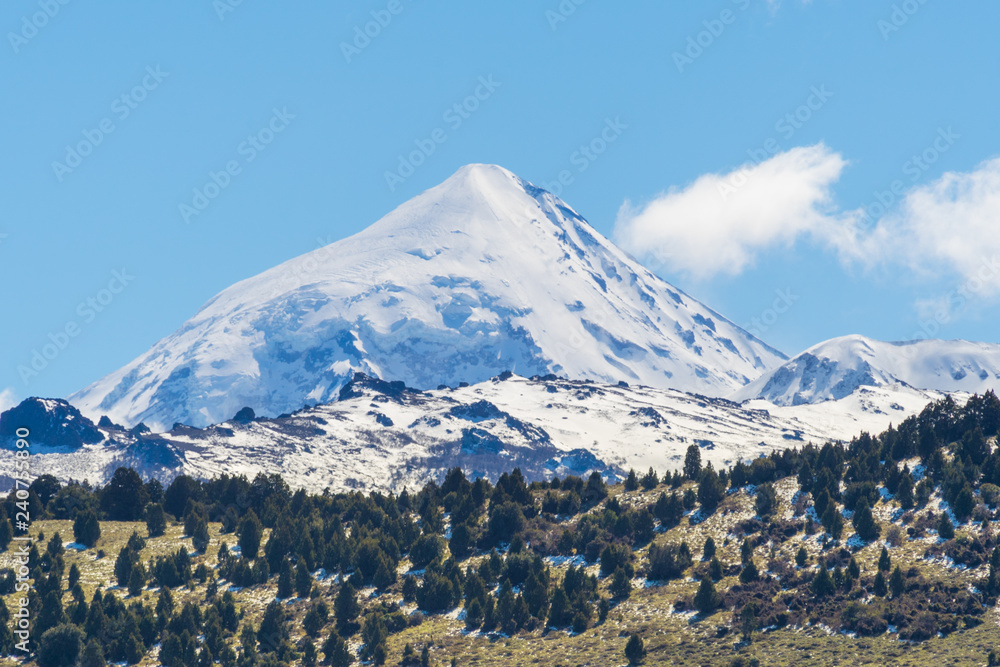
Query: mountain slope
{"x": 837, "y": 367}
{"x": 381, "y": 435}
{"x": 481, "y": 274}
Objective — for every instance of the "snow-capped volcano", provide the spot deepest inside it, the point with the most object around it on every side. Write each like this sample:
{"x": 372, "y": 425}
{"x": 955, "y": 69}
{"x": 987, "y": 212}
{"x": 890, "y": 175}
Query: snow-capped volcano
{"x": 835, "y": 368}
{"x": 481, "y": 274}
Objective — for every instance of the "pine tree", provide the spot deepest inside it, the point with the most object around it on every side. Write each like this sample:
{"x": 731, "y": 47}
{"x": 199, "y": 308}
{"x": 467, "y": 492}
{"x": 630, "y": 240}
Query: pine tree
{"x": 86, "y": 529}
{"x": 802, "y": 557}
{"x": 635, "y": 650}
{"x": 896, "y": 584}
{"x": 880, "y": 587}
{"x": 884, "y": 562}
{"x": 93, "y": 655}
{"x": 692, "y": 462}
{"x": 904, "y": 492}
{"x": 706, "y": 600}
{"x": 946, "y": 530}
{"x": 137, "y": 580}
{"x": 708, "y": 551}
{"x": 303, "y": 580}
{"x": 632, "y": 481}
{"x": 710, "y": 490}
{"x": 156, "y": 520}
{"x": 621, "y": 586}
{"x": 864, "y": 521}
{"x": 285, "y": 585}
{"x": 822, "y": 584}
{"x": 336, "y": 651}
{"x": 748, "y": 621}
{"x": 250, "y": 532}
{"x": 833, "y": 521}
{"x": 346, "y": 607}
{"x": 199, "y": 537}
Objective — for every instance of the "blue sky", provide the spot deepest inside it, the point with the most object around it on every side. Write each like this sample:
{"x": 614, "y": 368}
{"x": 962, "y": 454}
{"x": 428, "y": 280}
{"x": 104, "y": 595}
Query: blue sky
{"x": 804, "y": 111}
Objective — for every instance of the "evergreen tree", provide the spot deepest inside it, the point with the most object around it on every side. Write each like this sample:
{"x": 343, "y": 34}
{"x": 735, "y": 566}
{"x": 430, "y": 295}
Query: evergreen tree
{"x": 964, "y": 503}
{"x": 896, "y": 584}
{"x": 137, "y": 580}
{"x": 93, "y": 655}
{"x": 285, "y": 582}
{"x": 864, "y": 521}
{"x": 156, "y": 520}
{"x": 59, "y": 646}
{"x": 199, "y": 537}
{"x": 833, "y": 521}
{"x": 124, "y": 498}
{"x": 635, "y": 650}
{"x": 853, "y": 569}
{"x": 946, "y": 530}
{"x": 748, "y": 621}
{"x": 250, "y": 533}
{"x": 621, "y": 586}
{"x": 632, "y": 481}
{"x": 708, "y": 551}
{"x": 715, "y": 569}
{"x": 706, "y": 600}
{"x": 303, "y": 580}
{"x": 904, "y": 491}
{"x": 309, "y": 657}
{"x": 336, "y": 651}
{"x": 346, "y": 607}
{"x": 692, "y": 462}
{"x": 711, "y": 491}
{"x": 766, "y": 502}
{"x": 880, "y": 586}
{"x": 86, "y": 529}
{"x": 801, "y": 557}
{"x": 884, "y": 562}
{"x": 823, "y": 584}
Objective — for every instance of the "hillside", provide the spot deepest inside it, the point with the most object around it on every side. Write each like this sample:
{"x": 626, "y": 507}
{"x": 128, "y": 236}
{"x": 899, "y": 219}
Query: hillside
{"x": 902, "y": 565}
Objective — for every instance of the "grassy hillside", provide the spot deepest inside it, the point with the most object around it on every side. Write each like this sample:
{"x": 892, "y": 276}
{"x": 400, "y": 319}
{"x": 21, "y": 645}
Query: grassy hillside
{"x": 560, "y": 573}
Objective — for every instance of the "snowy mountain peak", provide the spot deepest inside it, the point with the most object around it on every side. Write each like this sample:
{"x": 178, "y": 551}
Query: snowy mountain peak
{"x": 481, "y": 274}
{"x": 835, "y": 368}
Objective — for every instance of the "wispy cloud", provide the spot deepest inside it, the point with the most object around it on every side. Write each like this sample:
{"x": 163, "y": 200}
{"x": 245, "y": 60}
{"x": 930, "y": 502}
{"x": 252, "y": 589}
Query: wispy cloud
{"x": 719, "y": 223}
{"x": 950, "y": 225}
{"x": 942, "y": 231}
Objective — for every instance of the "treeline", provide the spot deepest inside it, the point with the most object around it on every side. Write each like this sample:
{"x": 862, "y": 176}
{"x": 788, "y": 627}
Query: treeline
{"x": 274, "y": 536}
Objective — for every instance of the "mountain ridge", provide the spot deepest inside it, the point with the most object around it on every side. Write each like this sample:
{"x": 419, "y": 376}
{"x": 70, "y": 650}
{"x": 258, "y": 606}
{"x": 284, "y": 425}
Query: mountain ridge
{"x": 837, "y": 367}
{"x": 481, "y": 274}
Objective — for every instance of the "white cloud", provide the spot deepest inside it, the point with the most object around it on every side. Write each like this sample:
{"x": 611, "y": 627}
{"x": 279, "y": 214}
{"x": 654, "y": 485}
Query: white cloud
{"x": 720, "y": 222}
{"x": 7, "y": 399}
{"x": 949, "y": 226}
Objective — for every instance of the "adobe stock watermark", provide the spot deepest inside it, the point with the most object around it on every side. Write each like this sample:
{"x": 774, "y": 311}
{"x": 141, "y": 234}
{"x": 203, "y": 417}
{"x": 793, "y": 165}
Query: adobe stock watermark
{"x": 33, "y": 24}
{"x": 782, "y": 303}
{"x": 901, "y": 14}
{"x": 915, "y": 168}
{"x": 587, "y": 154}
{"x": 700, "y": 42}
{"x": 786, "y": 126}
{"x": 86, "y": 312}
{"x": 121, "y": 108}
{"x": 365, "y": 34}
{"x": 454, "y": 117}
{"x": 247, "y": 151}
{"x": 562, "y": 12}
{"x": 223, "y": 7}
{"x": 956, "y": 301}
